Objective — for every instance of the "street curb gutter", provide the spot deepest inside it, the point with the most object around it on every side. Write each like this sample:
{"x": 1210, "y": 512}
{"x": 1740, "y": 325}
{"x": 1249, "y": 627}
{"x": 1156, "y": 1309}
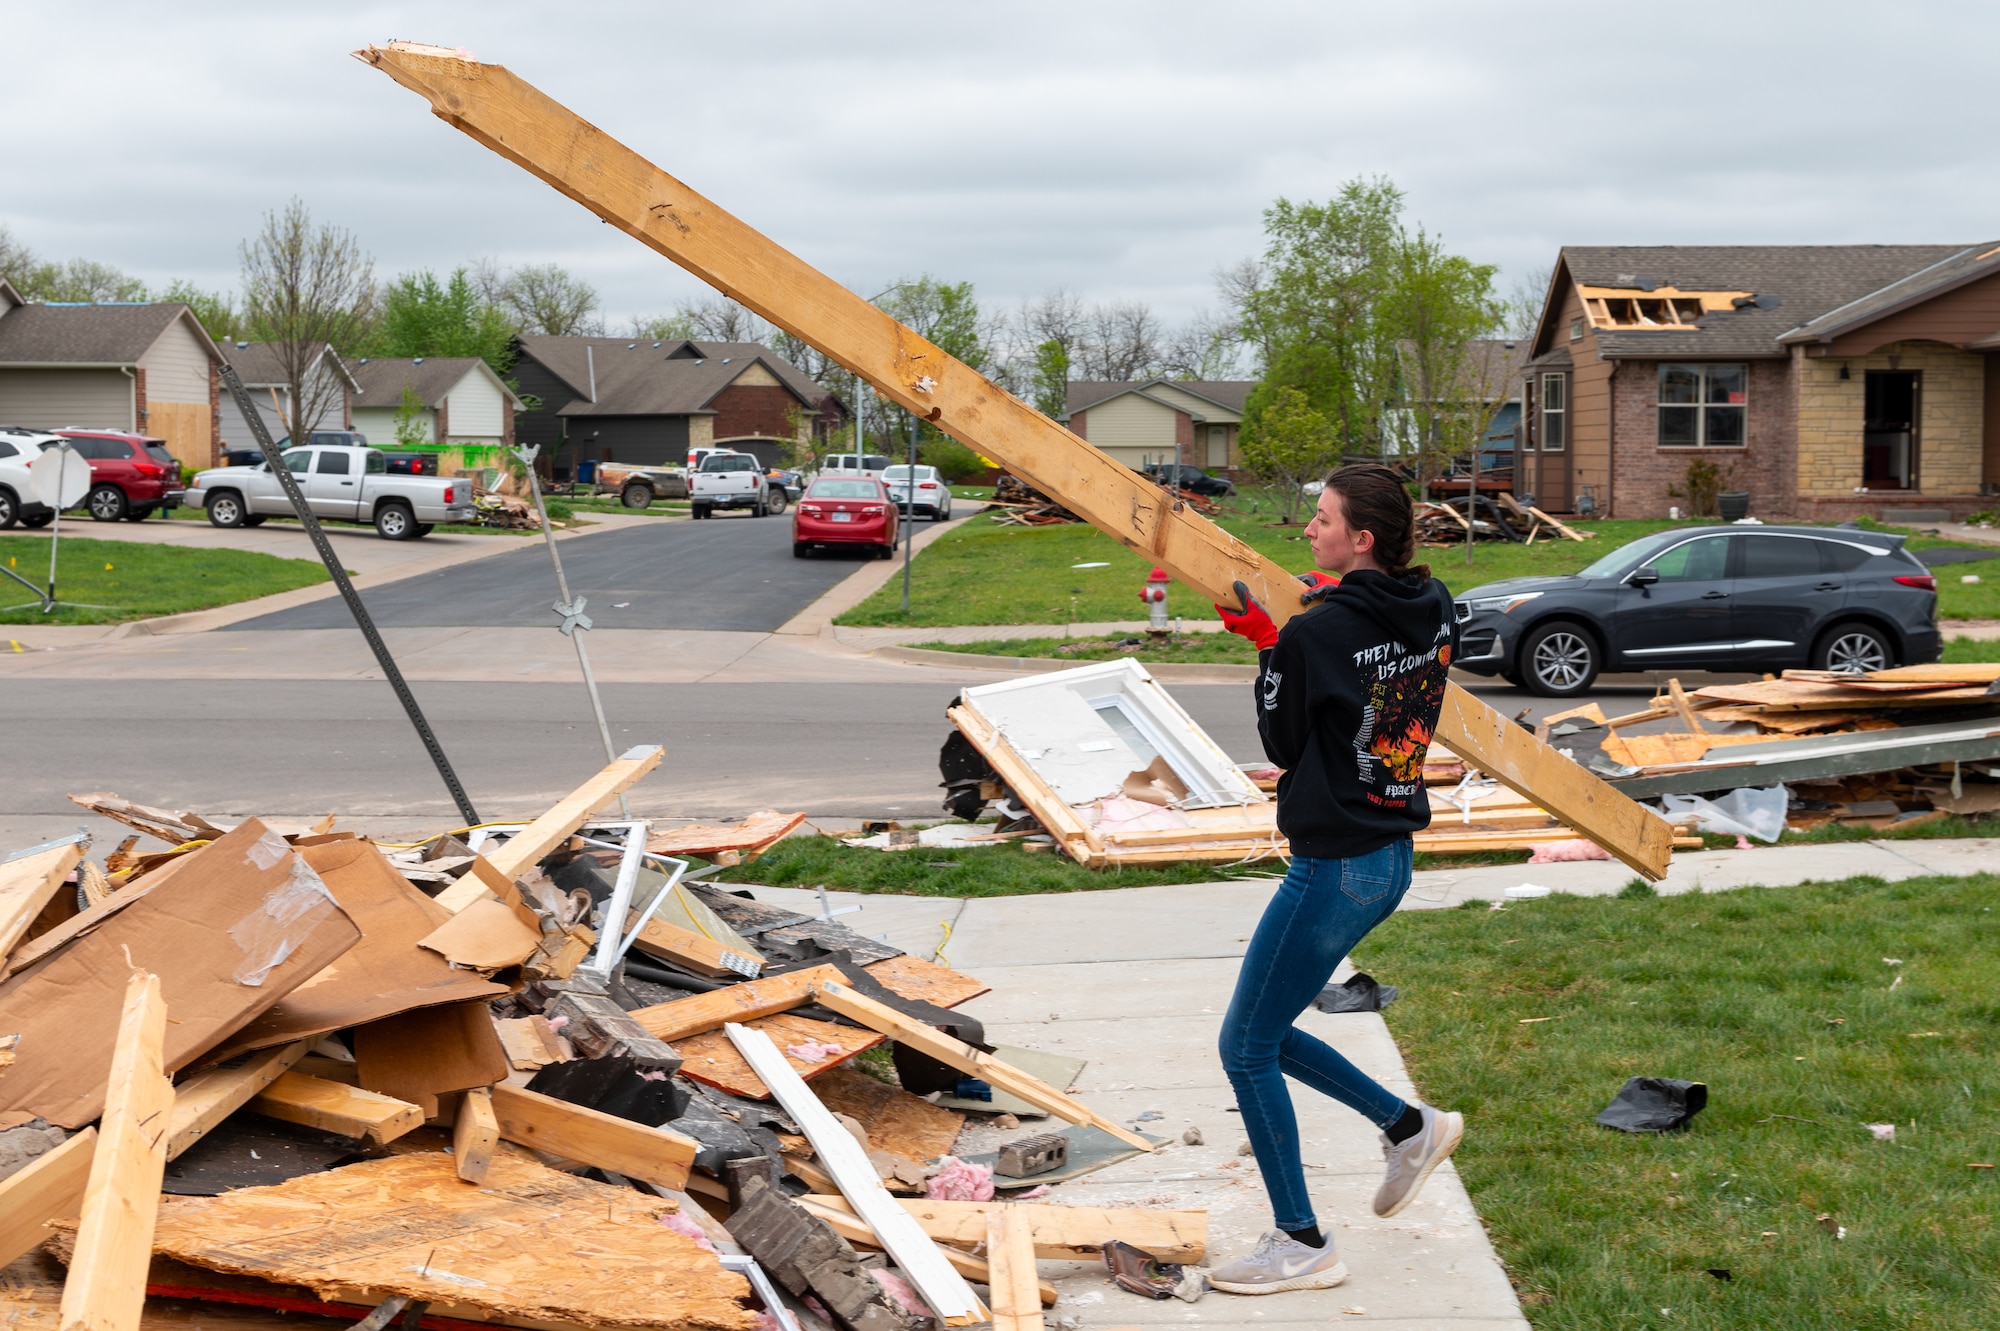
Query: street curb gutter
{"x": 1219, "y": 673}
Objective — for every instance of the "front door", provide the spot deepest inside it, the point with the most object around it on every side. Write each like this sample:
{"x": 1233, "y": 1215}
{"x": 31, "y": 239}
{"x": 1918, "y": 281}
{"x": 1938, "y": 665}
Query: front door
{"x": 1684, "y": 618}
{"x": 1889, "y": 430}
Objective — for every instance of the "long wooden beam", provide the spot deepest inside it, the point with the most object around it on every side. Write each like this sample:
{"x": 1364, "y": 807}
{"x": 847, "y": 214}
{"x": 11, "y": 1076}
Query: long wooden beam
{"x": 553, "y": 143}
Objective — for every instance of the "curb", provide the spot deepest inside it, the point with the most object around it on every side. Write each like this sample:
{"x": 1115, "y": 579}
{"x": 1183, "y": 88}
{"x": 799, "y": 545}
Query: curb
{"x": 816, "y": 620}
{"x": 1219, "y": 673}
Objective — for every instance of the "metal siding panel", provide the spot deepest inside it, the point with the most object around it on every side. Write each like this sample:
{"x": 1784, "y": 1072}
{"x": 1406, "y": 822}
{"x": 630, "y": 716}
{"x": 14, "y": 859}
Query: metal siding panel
{"x": 176, "y": 366}
{"x": 51, "y": 399}
{"x": 475, "y": 410}
{"x": 1131, "y": 422}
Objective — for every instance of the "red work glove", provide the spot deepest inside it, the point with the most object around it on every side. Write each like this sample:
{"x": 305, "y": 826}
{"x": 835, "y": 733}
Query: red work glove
{"x": 1318, "y": 585}
{"x": 1250, "y": 622}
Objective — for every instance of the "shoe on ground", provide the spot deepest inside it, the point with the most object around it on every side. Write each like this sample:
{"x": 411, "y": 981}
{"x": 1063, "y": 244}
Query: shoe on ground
{"x": 1411, "y": 1162}
{"x": 1280, "y": 1263}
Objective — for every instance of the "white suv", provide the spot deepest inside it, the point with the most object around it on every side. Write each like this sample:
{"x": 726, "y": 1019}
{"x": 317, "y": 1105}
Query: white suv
{"x": 19, "y": 447}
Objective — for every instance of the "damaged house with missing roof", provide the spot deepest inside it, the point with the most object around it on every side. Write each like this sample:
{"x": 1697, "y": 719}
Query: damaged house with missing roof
{"x": 1828, "y": 381}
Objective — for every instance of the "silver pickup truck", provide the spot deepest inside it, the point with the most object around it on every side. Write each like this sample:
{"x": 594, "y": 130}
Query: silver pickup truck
{"x": 734, "y": 480}
{"x": 343, "y": 484}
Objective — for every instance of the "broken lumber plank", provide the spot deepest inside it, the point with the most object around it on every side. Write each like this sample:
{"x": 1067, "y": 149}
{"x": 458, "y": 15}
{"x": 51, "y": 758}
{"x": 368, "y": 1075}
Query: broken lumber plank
{"x": 27, "y": 884}
{"x": 839, "y": 1215}
{"x": 1565, "y": 531}
{"x": 173, "y": 826}
{"x": 700, "y": 954}
{"x": 332, "y": 1107}
{"x": 913, "y": 977}
{"x": 525, "y": 848}
{"x": 739, "y": 1002}
{"x": 1061, "y": 1233}
{"x": 106, "y": 1286}
{"x": 474, "y": 1135}
{"x": 651, "y": 1155}
{"x": 835, "y": 994}
{"x": 208, "y": 1097}
{"x": 934, "y": 1277}
{"x": 49, "y": 1187}
{"x": 1010, "y": 1253}
{"x": 531, "y": 129}
{"x": 1063, "y": 822}
{"x": 1678, "y": 699}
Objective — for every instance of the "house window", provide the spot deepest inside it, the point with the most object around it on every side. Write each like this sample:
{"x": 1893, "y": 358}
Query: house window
{"x": 1555, "y": 414}
{"x": 1576, "y": 330}
{"x": 1703, "y": 406}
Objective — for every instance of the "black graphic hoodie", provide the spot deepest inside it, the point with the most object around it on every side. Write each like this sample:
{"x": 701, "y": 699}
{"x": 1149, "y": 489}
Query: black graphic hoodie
{"x": 1347, "y": 702}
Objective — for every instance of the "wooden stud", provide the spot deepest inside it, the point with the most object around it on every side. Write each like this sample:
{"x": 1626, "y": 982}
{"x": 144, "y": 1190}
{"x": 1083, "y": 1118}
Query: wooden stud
{"x": 206, "y": 1098}
{"x": 49, "y": 1187}
{"x": 475, "y": 1135}
{"x": 854, "y": 1229}
{"x": 27, "y": 884}
{"x": 529, "y": 128}
{"x": 106, "y": 1286}
{"x": 1678, "y": 697}
{"x": 1060, "y": 1233}
{"x": 651, "y": 1155}
{"x": 698, "y": 952}
{"x": 973, "y": 1062}
{"x": 332, "y": 1107}
{"x": 525, "y": 848}
{"x": 1010, "y": 1252}
{"x": 1062, "y": 821}
{"x": 739, "y": 1002}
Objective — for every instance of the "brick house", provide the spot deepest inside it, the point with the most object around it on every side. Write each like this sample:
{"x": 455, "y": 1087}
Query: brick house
{"x": 607, "y": 399}
{"x": 1829, "y": 381}
{"x": 144, "y": 369}
{"x": 1191, "y": 421}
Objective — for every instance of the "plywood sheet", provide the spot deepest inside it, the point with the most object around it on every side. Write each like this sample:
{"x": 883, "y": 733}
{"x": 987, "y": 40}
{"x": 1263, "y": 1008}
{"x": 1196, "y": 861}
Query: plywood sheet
{"x": 760, "y": 829}
{"x": 711, "y": 1059}
{"x": 897, "y": 1122}
{"x": 31, "y": 1300}
{"x": 926, "y": 981}
{"x": 530, "y": 1242}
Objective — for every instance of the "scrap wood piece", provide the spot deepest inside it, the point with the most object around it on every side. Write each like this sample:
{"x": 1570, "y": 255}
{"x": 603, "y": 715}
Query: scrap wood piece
{"x": 387, "y": 973}
{"x": 697, "y": 952}
{"x": 753, "y": 834}
{"x": 926, "y": 981}
{"x": 26, "y": 886}
{"x": 712, "y": 1059}
{"x": 106, "y": 1288}
{"x": 1653, "y": 750}
{"x": 1807, "y": 695}
{"x": 842, "y": 998}
{"x": 941, "y": 1286}
{"x": 173, "y": 826}
{"x": 1566, "y": 531}
{"x": 838, "y": 1215}
{"x": 208, "y": 1097}
{"x": 331, "y": 1106}
{"x": 598, "y": 1028}
{"x": 1061, "y": 1233}
{"x": 475, "y": 1132}
{"x": 683, "y": 1017}
{"x": 897, "y": 1121}
{"x": 530, "y": 1042}
{"x": 1063, "y": 822}
{"x": 1010, "y": 1252}
{"x": 525, "y": 848}
{"x": 408, "y": 1225}
{"x": 239, "y": 925}
{"x": 651, "y": 1155}
{"x": 49, "y": 1187}
{"x": 422, "y": 1054}
{"x": 1678, "y": 699}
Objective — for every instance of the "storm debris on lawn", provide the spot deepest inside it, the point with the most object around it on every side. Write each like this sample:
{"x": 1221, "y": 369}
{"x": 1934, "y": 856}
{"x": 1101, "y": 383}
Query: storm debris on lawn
{"x": 366, "y": 1057}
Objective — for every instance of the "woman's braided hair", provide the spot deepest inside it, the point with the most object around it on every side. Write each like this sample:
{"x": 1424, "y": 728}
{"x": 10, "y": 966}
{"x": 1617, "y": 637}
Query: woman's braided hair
{"x": 1375, "y": 500}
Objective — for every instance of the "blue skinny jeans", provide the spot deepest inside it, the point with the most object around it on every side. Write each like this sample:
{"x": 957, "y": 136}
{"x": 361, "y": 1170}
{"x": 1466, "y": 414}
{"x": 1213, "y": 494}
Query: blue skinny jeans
{"x": 1322, "y": 909}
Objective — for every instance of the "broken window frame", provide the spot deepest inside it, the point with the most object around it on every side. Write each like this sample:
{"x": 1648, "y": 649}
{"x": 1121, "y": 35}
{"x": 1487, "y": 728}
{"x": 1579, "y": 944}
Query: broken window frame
{"x": 1701, "y": 409}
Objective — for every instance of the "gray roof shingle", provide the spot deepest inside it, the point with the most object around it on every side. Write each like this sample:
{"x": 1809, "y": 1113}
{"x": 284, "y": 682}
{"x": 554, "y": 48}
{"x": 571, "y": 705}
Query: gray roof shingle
{"x": 84, "y": 334}
{"x": 256, "y": 363}
{"x": 640, "y": 379}
{"x": 1229, "y": 394}
{"x": 1807, "y": 280}
{"x": 1967, "y": 265}
{"x": 380, "y": 383}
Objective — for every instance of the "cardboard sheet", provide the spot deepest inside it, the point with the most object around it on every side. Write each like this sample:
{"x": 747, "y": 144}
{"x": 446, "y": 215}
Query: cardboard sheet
{"x": 422, "y": 1054}
{"x": 240, "y": 924}
{"x": 388, "y": 973}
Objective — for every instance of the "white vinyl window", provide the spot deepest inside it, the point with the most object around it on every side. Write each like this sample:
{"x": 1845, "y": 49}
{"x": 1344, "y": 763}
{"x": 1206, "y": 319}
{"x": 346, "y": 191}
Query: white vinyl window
{"x": 1555, "y": 413}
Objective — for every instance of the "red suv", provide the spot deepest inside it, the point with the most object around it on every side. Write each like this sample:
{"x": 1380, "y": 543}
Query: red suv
{"x": 131, "y": 475}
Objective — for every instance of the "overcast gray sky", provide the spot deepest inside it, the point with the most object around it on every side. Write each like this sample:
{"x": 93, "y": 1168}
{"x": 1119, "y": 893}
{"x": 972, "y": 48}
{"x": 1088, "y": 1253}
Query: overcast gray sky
{"x": 1117, "y": 149}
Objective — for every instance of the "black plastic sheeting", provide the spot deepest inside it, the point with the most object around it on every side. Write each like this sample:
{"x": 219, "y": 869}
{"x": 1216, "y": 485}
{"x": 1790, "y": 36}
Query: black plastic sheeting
{"x": 1655, "y": 1104}
{"x": 1360, "y": 993}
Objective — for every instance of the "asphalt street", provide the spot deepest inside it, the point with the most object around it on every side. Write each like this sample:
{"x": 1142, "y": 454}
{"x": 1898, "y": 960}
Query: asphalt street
{"x": 731, "y": 572}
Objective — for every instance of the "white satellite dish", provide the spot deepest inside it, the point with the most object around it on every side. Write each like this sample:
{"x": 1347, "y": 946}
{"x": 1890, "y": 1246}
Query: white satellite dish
{"x": 61, "y": 478}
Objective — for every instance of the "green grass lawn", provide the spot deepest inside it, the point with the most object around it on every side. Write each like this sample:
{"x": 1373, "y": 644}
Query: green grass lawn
{"x": 1002, "y": 870}
{"x": 1185, "y": 648}
{"x": 138, "y": 580}
{"x": 1779, "y": 1000}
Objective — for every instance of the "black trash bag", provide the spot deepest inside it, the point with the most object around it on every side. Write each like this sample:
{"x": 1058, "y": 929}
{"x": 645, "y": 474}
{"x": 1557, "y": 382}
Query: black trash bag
{"x": 1655, "y": 1104}
{"x": 1359, "y": 994}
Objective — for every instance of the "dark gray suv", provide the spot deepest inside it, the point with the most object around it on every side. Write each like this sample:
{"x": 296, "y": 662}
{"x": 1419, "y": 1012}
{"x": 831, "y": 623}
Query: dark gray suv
{"x": 1708, "y": 598}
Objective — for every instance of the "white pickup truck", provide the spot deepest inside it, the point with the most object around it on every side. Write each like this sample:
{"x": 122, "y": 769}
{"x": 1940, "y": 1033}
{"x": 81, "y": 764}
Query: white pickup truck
{"x": 734, "y": 480}
{"x": 342, "y": 484}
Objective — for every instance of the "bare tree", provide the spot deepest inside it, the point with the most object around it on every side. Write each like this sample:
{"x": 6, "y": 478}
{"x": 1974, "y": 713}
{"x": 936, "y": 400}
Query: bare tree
{"x": 16, "y": 259}
{"x": 1522, "y": 309}
{"x": 1205, "y": 347}
{"x": 720, "y": 319}
{"x": 547, "y": 298}
{"x": 306, "y": 288}
{"x": 1123, "y": 341}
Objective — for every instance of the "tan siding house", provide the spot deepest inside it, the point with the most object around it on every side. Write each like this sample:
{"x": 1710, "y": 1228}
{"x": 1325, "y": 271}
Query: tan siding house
{"x": 1192, "y": 422}
{"x": 461, "y": 403}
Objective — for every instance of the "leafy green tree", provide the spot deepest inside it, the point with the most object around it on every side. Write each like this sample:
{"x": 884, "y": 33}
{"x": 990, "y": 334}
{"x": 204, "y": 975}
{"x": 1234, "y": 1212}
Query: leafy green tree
{"x": 422, "y": 316}
{"x": 1050, "y": 378}
{"x": 1437, "y": 307}
{"x": 411, "y": 429}
{"x": 1295, "y": 442}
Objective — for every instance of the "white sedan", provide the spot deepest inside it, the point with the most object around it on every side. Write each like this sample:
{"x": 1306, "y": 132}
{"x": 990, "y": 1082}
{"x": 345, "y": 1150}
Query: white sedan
{"x": 933, "y": 496}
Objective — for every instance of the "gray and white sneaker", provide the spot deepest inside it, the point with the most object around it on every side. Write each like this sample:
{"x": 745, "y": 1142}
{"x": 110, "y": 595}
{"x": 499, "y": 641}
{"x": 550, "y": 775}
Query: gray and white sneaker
{"x": 1279, "y": 1263}
{"x": 1411, "y": 1162}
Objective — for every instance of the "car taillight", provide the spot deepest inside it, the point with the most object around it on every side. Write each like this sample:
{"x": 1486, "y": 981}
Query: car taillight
{"x": 1927, "y": 581}
{"x": 451, "y": 494}
{"x": 149, "y": 468}
{"x": 811, "y": 510}
{"x": 928, "y": 485}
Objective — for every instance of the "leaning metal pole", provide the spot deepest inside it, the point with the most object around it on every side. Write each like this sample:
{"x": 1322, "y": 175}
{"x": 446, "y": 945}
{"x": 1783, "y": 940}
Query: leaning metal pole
{"x": 574, "y": 622}
{"x": 276, "y": 462}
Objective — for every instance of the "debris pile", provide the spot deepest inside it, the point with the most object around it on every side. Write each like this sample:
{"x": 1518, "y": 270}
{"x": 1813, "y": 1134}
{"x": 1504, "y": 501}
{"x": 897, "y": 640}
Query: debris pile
{"x": 1015, "y": 503}
{"x": 285, "y": 1068}
{"x": 1498, "y": 517}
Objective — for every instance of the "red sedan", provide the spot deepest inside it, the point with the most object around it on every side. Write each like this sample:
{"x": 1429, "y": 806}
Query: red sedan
{"x": 840, "y": 511}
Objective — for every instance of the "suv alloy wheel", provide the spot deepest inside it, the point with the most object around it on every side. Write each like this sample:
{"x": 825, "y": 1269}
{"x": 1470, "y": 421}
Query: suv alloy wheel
{"x": 1559, "y": 660}
{"x": 1853, "y": 649}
